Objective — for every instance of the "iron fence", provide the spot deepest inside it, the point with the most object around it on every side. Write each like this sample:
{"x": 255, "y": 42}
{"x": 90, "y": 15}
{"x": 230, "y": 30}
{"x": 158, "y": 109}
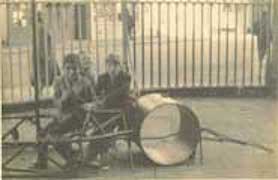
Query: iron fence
{"x": 171, "y": 44}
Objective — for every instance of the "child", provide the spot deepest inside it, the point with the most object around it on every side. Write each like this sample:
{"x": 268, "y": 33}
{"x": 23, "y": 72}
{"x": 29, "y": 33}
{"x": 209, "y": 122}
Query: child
{"x": 71, "y": 92}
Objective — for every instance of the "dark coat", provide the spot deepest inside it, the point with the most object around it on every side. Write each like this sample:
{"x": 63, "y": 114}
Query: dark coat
{"x": 114, "y": 91}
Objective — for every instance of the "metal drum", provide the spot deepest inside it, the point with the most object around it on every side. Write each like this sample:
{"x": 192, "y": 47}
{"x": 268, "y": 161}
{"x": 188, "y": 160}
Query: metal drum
{"x": 167, "y": 131}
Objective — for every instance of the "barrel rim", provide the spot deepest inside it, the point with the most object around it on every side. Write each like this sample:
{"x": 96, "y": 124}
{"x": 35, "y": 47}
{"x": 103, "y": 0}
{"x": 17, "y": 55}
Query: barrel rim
{"x": 179, "y": 105}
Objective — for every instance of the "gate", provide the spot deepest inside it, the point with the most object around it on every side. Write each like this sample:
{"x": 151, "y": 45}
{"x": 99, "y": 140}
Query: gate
{"x": 194, "y": 47}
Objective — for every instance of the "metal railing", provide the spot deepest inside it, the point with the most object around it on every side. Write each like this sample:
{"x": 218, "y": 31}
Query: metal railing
{"x": 172, "y": 44}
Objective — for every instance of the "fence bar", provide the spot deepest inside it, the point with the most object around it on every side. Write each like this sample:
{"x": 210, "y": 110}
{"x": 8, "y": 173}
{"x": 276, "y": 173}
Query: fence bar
{"x": 28, "y": 49}
{"x": 40, "y": 50}
{"x": 58, "y": 15}
{"x": 151, "y": 40}
{"x": 97, "y": 42}
{"x": 159, "y": 44}
{"x": 202, "y": 45}
{"x": 168, "y": 45}
{"x": 227, "y": 49}
{"x": 10, "y": 51}
{"x": 70, "y": 26}
{"x": 45, "y": 51}
{"x": 185, "y": 46}
{"x": 11, "y": 72}
{"x": 218, "y": 44}
{"x": 20, "y": 58}
{"x": 54, "y": 47}
{"x": 236, "y": 47}
{"x": 114, "y": 28}
{"x": 105, "y": 33}
{"x": 210, "y": 43}
{"x": 269, "y": 57}
{"x": 143, "y": 43}
{"x": 193, "y": 44}
{"x": 252, "y": 46}
{"x": 134, "y": 46}
{"x": 20, "y": 71}
{"x": 63, "y": 16}
{"x": 80, "y": 29}
{"x": 244, "y": 45}
{"x": 41, "y": 154}
{"x": 2, "y": 73}
{"x": 125, "y": 34}
{"x": 260, "y": 62}
{"x": 89, "y": 35}
{"x": 125, "y": 31}
{"x": 177, "y": 45}
{"x": 8, "y": 19}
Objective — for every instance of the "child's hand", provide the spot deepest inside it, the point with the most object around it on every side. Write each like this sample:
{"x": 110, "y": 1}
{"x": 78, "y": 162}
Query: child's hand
{"x": 89, "y": 106}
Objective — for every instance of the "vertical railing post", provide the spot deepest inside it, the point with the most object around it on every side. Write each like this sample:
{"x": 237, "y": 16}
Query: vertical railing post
{"x": 273, "y": 65}
{"x": 168, "y": 46}
{"x": 193, "y": 42}
{"x": 124, "y": 31}
{"x": 41, "y": 155}
{"x": 143, "y": 44}
{"x": 2, "y": 73}
{"x": 159, "y": 44}
{"x": 151, "y": 44}
{"x": 185, "y": 45}
{"x": 97, "y": 38}
{"x": 134, "y": 45}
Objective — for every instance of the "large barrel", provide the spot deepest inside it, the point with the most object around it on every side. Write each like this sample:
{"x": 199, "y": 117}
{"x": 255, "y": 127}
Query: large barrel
{"x": 167, "y": 131}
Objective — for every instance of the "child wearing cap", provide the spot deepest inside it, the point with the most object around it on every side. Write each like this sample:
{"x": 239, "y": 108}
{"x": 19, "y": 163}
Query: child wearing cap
{"x": 114, "y": 84}
{"x": 113, "y": 87}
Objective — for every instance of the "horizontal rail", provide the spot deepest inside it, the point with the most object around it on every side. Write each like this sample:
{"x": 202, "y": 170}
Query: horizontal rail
{"x": 26, "y": 106}
{"x": 212, "y": 91}
{"x": 86, "y": 139}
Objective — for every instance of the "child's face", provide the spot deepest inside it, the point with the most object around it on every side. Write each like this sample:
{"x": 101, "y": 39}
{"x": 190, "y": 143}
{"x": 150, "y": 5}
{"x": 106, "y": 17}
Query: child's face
{"x": 71, "y": 71}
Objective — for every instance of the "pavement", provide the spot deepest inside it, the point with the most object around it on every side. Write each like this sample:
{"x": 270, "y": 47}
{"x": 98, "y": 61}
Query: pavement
{"x": 253, "y": 120}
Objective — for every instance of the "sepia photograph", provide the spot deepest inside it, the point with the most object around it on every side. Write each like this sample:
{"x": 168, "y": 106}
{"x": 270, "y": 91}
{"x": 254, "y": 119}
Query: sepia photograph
{"x": 139, "y": 89}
